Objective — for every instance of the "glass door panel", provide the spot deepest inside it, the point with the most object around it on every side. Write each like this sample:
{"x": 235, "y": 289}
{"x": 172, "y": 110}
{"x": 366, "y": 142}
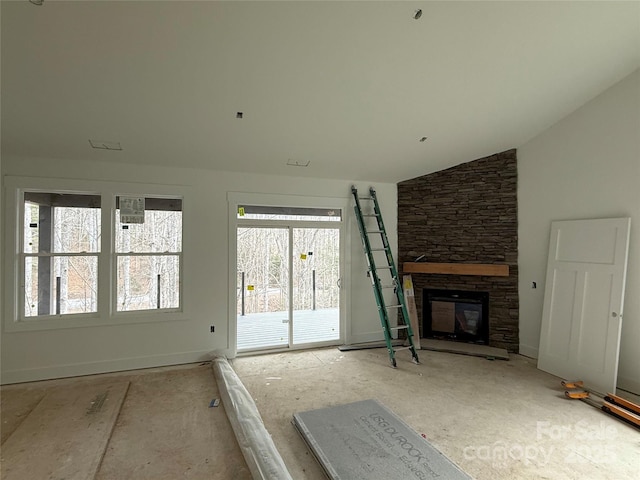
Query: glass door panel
{"x": 263, "y": 288}
{"x": 316, "y": 285}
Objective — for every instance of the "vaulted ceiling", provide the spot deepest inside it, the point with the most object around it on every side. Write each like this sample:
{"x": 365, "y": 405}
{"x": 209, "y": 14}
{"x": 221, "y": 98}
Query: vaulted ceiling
{"x": 349, "y": 88}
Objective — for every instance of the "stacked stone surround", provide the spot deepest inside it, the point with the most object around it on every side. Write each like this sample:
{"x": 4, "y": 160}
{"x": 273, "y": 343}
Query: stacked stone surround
{"x": 466, "y": 214}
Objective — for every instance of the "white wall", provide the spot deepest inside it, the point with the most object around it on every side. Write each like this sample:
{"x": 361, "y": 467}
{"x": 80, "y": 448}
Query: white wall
{"x": 33, "y": 355}
{"x": 585, "y": 166}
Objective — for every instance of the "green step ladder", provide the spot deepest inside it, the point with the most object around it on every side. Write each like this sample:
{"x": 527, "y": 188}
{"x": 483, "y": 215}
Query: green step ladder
{"x": 389, "y": 268}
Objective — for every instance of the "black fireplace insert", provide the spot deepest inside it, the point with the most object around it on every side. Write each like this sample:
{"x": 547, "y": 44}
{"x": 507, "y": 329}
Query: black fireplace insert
{"x": 457, "y": 315}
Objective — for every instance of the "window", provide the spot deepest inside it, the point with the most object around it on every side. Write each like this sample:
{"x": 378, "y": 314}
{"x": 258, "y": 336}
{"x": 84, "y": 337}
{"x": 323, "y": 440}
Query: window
{"x": 148, "y": 255}
{"x": 260, "y": 212}
{"x": 60, "y": 253}
{"x": 71, "y": 260}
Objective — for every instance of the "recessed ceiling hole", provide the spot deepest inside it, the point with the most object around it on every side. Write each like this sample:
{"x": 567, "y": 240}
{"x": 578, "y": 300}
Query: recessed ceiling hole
{"x": 417, "y": 14}
{"x": 297, "y": 163}
{"x": 239, "y": 114}
{"x": 105, "y": 145}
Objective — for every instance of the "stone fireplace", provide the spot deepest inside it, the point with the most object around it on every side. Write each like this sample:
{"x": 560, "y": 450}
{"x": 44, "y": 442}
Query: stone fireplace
{"x": 465, "y": 215}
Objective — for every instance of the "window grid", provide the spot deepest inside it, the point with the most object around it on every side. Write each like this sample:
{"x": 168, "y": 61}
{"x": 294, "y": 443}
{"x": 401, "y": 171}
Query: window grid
{"x": 60, "y": 252}
{"x": 148, "y": 258}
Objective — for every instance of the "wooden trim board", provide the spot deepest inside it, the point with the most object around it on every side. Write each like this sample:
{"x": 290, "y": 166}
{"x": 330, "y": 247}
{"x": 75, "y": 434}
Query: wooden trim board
{"x": 484, "y": 269}
{"x": 410, "y": 301}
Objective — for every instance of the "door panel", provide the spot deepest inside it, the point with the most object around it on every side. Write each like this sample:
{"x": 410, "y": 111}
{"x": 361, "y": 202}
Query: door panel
{"x": 263, "y": 258}
{"x": 592, "y": 354}
{"x": 316, "y": 292}
{"x": 558, "y": 339}
{"x": 587, "y": 243}
{"x": 584, "y": 294}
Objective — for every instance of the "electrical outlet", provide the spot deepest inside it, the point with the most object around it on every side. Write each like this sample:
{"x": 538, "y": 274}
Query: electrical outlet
{"x": 213, "y": 328}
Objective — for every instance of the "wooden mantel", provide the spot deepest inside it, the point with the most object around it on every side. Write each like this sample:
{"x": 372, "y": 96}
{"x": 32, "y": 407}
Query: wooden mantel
{"x": 484, "y": 269}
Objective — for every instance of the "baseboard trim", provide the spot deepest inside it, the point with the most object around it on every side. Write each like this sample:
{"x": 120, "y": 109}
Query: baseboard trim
{"x": 365, "y": 338}
{"x": 107, "y": 366}
{"x": 528, "y": 351}
{"x": 629, "y": 385}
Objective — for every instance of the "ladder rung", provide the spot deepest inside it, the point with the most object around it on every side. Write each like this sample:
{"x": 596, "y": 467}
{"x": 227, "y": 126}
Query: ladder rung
{"x": 369, "y": 214}
{"x": 387, "y": 286}
{"x": 397, "y": 349}
{"x": 399, "y": 327}
{"x": 378, "y": 249}
{"x": 394, "y": 306}
{"x": 375, "y": 231}
{"x": 380, "y": 268}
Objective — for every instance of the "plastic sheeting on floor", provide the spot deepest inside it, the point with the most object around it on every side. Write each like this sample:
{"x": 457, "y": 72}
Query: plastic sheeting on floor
{"x": 260, "y": 453}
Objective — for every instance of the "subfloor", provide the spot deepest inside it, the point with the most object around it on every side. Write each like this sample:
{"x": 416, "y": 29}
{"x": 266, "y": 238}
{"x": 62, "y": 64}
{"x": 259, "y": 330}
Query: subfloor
{"x": 165, "y": 429}
{"x": 495, "y": 419}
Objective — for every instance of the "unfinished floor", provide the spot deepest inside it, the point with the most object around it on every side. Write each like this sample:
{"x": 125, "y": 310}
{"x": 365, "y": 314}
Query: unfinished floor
{"x": 495, "y": 419}
{"x": 164, "y": 430}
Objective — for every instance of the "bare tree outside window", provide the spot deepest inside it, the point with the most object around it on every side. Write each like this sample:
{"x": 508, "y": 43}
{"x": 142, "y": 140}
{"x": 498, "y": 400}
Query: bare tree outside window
{"x": 60, "y": 250}
{"x": 149, "y": 256}
{"x": 316, "y": 262}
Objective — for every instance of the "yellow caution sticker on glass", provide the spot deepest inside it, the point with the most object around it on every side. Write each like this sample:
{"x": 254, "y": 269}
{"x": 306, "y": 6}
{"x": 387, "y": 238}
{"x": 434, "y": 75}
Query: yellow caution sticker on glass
{"x": 303, "y": 256}
{"x": 250, "y": 287}
{"x": 241, "y": 213}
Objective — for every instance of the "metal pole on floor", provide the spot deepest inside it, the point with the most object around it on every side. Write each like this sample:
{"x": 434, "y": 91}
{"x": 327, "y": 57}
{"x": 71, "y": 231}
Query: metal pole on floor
{"x": 242, "y": 294}
{"x": 58, "y": 284}
{"x": 313, "y": 276}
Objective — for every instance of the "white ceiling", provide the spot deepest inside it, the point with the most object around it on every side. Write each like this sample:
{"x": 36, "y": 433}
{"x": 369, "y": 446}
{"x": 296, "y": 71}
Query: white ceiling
{"x": 350, "y": 87}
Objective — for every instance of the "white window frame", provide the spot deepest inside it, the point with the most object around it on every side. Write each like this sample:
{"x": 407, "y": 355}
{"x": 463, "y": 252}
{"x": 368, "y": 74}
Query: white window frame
{"x": 116, "y": 255}
{"x": 13, "y": 301}
{"x": 22, "y": 256}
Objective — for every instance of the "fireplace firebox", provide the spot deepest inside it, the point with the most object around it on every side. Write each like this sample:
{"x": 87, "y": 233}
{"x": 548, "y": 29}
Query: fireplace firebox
{"x": 457, "y": 315}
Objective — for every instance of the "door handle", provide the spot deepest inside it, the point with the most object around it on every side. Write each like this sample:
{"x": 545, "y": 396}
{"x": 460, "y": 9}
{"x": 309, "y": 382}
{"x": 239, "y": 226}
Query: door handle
{"x": 339, "y": 282}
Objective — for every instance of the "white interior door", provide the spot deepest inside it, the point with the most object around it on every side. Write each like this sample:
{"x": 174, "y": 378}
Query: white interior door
{"x": 584, "y": 293}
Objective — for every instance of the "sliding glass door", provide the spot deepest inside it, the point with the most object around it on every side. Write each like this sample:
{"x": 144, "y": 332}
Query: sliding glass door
{"x": 288, "y": 284}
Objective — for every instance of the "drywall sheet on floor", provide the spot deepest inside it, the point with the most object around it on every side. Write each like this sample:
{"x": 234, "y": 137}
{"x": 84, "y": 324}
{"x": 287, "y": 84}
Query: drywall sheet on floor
{"x": 366, "y": 440}
{"x": 66, "y": 435}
